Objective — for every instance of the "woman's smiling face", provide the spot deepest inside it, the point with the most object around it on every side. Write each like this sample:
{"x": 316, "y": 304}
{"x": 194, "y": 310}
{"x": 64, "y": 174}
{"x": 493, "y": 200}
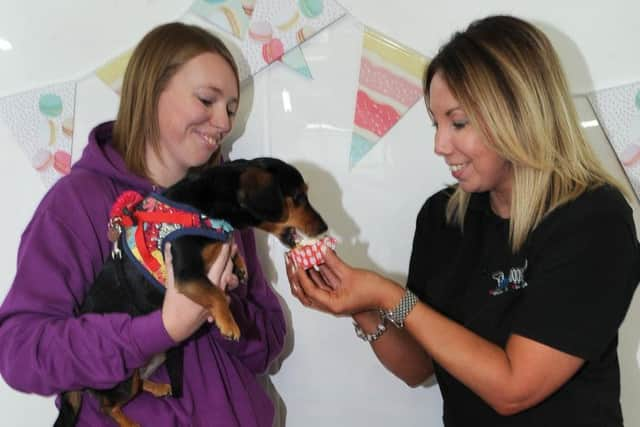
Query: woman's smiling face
{"x": 472, "y": 162}
{"x": 196, "y": 111}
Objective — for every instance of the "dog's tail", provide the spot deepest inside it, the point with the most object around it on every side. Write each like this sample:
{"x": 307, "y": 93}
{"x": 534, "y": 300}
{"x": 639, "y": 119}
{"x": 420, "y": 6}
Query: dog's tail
{"x": 70, "y": 403}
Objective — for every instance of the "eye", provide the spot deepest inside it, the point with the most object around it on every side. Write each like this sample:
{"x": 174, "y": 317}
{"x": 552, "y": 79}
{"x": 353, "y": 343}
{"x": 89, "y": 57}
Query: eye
{"x": 300, "y": 198}
{"x": 460, "y": 124}
{"x": 231, "y": 112}
{"x": 206, "y": 101}
{"x": 434, "y": 124}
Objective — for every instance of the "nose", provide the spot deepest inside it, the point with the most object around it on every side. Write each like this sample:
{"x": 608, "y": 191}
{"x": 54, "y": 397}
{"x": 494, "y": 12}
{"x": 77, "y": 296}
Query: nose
{"x": 442, "y": 144}
{"x": 221, "y": 120}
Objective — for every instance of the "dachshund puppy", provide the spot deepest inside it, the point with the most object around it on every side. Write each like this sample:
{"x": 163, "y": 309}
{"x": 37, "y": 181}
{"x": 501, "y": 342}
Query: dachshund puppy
{"x": 197, "y": 215}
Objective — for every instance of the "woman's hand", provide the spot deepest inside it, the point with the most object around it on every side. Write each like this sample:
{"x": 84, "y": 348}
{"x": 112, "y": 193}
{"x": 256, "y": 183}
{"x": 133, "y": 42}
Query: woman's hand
{"x": 180, "y": 315}
{"x": 340, "y": 289}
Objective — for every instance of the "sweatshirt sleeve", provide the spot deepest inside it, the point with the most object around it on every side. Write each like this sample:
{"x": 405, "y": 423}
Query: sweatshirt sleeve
{"x": 47, "y": 349}
{"x": 258, "y": 313}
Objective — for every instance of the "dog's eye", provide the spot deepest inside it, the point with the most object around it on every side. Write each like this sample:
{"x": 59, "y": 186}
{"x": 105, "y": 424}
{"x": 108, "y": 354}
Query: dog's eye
{"x": 299, "y": 198}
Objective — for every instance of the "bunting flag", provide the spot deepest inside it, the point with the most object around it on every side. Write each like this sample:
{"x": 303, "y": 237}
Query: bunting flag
{"x": 112, "y": 72}
{"x": 230, "y": 15}
{"x": 618, "y": 111}
{"x": 278, "y": 26}
{"x": 390, "y": 83}
{"x": 295, "y": 60}
{"x": 41, "y": 122}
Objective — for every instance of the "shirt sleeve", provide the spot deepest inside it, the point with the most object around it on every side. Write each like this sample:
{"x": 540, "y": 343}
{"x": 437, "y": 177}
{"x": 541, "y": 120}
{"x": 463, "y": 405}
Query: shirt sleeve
{"x": 581, "y": 281}
{"x": 45, "y": 348}
{"x": 258, "y": 313}
{"x": 433, "y": 250}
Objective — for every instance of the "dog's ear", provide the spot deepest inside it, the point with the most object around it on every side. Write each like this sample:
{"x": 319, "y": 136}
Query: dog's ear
{"x": 259, "y": 193}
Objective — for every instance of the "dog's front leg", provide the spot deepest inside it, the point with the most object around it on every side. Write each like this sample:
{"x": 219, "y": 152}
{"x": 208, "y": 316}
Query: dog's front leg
{"x": 203, "y": 292}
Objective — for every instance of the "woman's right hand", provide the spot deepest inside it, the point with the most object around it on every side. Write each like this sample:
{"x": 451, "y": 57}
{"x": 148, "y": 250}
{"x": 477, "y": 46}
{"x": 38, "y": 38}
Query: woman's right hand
{"x": 180, "y": 315}
{"x": 340, "y": 289}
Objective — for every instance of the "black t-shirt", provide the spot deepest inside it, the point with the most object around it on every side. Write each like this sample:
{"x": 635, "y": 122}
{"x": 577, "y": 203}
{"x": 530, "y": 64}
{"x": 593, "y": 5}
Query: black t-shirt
{"x": 569, "y": 287}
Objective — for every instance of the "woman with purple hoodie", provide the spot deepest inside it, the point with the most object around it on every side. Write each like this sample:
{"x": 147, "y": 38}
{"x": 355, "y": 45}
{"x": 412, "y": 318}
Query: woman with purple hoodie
{"x": 179, "y": 97}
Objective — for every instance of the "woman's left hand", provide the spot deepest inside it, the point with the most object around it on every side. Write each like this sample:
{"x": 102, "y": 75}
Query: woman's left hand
{"x": 340, "y": 289}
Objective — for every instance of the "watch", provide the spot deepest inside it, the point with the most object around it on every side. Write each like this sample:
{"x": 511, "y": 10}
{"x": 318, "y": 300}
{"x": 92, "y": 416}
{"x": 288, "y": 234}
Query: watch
{"x": 402, "y": 310}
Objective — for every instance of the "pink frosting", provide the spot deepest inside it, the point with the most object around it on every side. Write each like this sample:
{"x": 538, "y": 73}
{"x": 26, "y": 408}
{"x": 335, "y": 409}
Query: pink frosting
{"x": 384, "y": 81}
{"x": 375, "y": 117}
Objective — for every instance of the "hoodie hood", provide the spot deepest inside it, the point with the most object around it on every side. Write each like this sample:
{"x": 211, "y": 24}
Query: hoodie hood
{"x": 101, "y": 158}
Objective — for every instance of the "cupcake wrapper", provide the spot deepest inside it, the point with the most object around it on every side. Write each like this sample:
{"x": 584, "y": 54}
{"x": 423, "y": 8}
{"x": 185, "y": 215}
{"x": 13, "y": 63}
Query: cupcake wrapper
{"x": 308, "y": 256}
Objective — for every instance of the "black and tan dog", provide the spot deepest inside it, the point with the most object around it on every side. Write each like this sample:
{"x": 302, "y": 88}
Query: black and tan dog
{"x": 265, "y": 193}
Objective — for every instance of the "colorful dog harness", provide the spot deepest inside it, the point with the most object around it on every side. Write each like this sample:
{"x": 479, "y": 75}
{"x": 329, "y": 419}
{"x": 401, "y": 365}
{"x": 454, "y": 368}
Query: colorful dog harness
{"x": 142, "y": 225}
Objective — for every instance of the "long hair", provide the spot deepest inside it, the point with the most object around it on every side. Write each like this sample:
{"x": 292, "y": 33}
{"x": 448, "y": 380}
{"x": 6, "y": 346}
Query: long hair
{"x": 507, "y": 77}
{"x": 154, "y": 61}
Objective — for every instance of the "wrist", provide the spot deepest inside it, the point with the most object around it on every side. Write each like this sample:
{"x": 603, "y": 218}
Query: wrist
{"x": 401, "y": 310}
{"x": 391, "y": 297}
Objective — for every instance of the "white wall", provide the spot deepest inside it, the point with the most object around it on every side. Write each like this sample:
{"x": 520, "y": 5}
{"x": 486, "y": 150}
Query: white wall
{"x": 327, "y": 376}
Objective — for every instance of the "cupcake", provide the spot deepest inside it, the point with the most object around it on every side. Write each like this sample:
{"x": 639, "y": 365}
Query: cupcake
{"x": 309, "y": 253}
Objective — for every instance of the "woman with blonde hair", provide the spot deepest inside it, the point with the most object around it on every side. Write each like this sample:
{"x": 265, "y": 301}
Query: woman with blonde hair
{"x": 522, "y": 272}
{"x": 179, "y": 98}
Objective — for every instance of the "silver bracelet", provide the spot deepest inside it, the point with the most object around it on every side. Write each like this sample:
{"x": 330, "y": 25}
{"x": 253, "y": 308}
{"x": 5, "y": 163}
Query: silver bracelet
{"x": 402, "y": 310}
{"x": 380, "y": 329}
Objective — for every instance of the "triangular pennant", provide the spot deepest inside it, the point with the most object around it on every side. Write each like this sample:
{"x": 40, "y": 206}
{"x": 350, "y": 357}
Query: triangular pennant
{"x": 112, "y": 72}
{"x": 231, "y": 16}
{"x": 390, "y": 83}
{"x": 618, "y": 111}
{"x": 278, "y": 26}
{"x": 41, "y": 122}
{"x": 295, "y": 60}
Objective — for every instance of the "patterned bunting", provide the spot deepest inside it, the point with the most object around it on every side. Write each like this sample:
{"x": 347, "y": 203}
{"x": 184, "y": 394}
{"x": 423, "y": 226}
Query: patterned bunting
{"x": 389, "y": 84}
{"x": 618, "y": 110}
{"x": 41, "y": 122}
{"x": 230, "y": 15}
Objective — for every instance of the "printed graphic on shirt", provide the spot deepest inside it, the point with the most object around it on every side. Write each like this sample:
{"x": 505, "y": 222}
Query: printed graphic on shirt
{"x": 511, "y": 282}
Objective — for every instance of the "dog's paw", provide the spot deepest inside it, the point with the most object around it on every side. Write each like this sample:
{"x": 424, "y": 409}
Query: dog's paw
{"x": 240, "y": 269}
{"x": 230, "y": 331}
{"x": 226, "y": 324}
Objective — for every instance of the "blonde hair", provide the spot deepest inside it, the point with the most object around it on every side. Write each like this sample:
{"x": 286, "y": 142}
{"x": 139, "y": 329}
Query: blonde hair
{"x": 506, "y": 75}
{"x": 154, "y": 61}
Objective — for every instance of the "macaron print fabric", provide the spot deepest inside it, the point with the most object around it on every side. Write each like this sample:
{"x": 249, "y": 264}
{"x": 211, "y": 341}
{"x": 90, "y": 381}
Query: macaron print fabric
{"x": 41, "y": 122}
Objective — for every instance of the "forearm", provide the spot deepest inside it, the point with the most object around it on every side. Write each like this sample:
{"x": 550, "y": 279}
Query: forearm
{"x": 47, "y": 354}
{"x": 262, "y": 328}
{"x": 397, "y": 350}
{"x": 481, "y": 365}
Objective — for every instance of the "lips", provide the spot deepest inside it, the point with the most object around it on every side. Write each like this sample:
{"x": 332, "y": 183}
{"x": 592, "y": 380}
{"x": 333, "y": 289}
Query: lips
{"x": 211, "y": 140}
{"x": 457, "y": 169}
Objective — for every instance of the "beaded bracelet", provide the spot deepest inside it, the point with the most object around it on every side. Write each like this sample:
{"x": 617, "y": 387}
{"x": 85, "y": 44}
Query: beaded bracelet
{"x": 380, "y": 329}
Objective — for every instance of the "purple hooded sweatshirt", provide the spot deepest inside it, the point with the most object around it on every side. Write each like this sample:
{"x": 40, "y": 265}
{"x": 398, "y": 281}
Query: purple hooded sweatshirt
{"x": 46, "y": 349}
